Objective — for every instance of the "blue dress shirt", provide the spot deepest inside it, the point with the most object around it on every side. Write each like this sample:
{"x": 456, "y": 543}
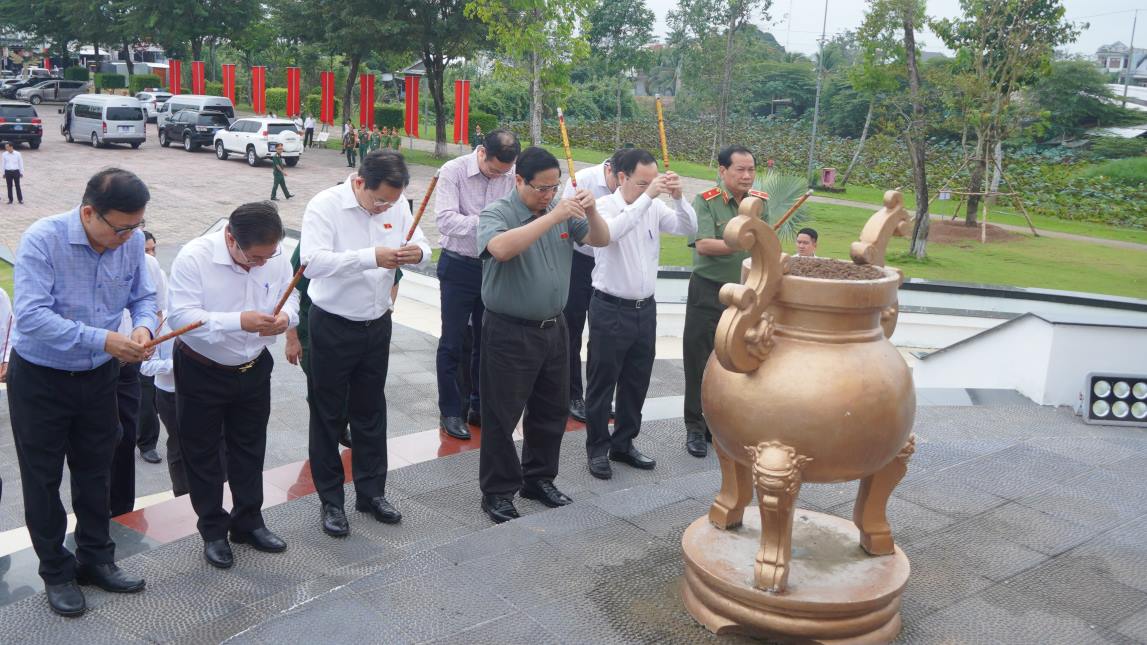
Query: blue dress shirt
{"x": 68, "y": 297}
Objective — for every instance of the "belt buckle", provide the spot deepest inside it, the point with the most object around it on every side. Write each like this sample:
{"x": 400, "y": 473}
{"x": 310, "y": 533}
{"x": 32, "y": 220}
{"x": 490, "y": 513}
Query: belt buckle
{"x": 639, "y": 303}
{"x": 246, "y": 366}
{"x": 546, "y": 324}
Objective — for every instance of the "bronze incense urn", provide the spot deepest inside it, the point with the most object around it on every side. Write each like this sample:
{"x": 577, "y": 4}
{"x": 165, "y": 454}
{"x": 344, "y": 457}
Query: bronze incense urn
{"x": 804, "y": 386}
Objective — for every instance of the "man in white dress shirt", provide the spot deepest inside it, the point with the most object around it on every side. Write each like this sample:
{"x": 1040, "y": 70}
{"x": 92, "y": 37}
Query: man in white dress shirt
{"x": 623, "y": 312}
{"x": 232, "y": 280}
{"x": 352, "y": 241}
{"x": 600, "y": 181}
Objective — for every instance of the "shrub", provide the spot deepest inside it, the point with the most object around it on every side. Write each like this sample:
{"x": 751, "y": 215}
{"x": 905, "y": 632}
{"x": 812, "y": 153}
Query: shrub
{"x": 314, "y": 105}
{"x": 113, "y": 82}
{"x": 140, "y": 81}
{"x": 1129, "y": 172}
{"x": 214, "y": 89}
{"x": 1117, "y": 147}
{"x": 77, "y": 74}
{"x": 389, "y": 116}
{"x": 484, "y": 119}
{"x": 277, "y": 100}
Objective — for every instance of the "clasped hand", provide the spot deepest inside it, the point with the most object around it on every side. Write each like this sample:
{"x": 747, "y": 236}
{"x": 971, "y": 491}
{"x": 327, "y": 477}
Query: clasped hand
{"x": 264, "y": 324}
{"x": 389, "y": 258}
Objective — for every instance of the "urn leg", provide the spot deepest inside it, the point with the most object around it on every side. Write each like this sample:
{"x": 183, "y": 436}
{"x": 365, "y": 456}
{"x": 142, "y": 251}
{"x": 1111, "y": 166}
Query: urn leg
{"x": 869, "y": 512}
{"x": 735, "y": 494}
{"x": 777, "y": 475}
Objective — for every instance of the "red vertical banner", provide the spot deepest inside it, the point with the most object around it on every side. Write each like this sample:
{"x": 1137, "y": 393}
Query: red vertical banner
{"x": 175, "y": 76}
{"x": 162, "y": 73}
{"x": 229, "y": 82}
{"x": 198, "y": 79}
{"x": 327, "y": 113}
{"x": 370, "y": 103}
{"x": 294, "y": 81}
{"x": 366, "y": 100}
{"x": 411, "y": 124}
{"x": 259, "y": 89}
{"x": 461, "y": 111}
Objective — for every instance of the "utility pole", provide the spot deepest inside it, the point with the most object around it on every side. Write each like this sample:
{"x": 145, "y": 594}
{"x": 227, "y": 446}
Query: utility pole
{"x": 816, "y": 103}
{"x": 1130, "y": 58}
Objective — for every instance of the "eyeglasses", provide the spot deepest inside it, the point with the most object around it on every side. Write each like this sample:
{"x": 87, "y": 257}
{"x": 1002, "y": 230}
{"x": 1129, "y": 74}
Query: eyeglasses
{"x": 545, "y": 189}
{"x": 256, "y": 261}
{"x": 120, "y": 230}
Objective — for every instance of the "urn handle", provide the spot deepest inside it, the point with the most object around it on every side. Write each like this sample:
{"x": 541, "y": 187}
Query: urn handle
{"x": 874, "y": 237}
{"x": 744, "y": 334}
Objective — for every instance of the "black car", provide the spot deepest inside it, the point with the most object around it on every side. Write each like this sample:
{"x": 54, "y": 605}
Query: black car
{"x": 193, "y": 128}
{"x": 9, "y": 91}
{"x": 19, "y": 122}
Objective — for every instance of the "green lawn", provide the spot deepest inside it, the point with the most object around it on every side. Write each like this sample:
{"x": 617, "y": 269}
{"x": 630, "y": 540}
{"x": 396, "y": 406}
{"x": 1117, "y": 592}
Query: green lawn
{"x": 6, "y": 277}
{"x": 1029, "y": 262}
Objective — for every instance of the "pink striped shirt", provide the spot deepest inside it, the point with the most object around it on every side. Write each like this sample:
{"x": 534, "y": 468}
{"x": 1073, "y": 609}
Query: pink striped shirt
{"x": 462, "y": 192}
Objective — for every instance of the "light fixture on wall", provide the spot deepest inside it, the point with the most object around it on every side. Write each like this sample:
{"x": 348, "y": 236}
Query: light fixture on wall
{"x": 1116, "y": 399}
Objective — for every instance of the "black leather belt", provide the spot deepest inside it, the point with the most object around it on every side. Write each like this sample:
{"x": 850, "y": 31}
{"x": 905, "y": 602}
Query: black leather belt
{"x": 635, "y": 304}
{"x": 540, "y": 324}
{"x": 203, "y": 360}
{"x": 462, "y": 258}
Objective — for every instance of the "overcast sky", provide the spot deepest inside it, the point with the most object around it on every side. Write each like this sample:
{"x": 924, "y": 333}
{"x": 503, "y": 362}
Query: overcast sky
{"x": 798, "y": 22}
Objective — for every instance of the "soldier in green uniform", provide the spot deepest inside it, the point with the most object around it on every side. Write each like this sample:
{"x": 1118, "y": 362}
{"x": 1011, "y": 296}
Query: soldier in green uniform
{"x": 395, "y": 138}
{"x": 714, "y": 264}
{"x": 363, "y": 142}
{"x": 349, "y": 144}
{"x": 375, "y": 138}
{"x": 277, "y": 164}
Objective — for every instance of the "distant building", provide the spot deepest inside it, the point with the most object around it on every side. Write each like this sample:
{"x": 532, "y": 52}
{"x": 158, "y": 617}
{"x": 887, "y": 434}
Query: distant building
{"x": 1113, "y": 58}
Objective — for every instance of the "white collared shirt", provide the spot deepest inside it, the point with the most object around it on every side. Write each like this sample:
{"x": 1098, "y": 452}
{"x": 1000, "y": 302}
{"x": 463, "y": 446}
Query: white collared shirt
{"x": 206, "y": 284}
{"x": 6, "y": 326}
{"x": 627, "y": 268}
{"x": 160, "y": 365}
{"x": 592, "y": 179}
{"x": 309, "y": 124}
{"x": 13, "y": 160}
{"x": 337, "y": 246}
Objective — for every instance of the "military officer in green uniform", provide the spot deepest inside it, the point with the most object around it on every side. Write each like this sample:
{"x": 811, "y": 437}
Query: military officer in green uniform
{"x": 714, "y": 264}
{"x": 395, "y": 138}
{"x": 363, "y": 142}
{"x": 375, "y": 138}
{"x": 349, "y": 145}
{"x": 277, "y": 164}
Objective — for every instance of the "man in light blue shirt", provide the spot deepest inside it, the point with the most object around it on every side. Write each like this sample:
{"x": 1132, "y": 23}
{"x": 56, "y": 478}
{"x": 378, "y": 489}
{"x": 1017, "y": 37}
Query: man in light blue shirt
{"x": 76, "y": 272}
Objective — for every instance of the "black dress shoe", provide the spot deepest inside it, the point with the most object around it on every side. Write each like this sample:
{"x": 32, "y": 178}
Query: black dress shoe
{"x": 66, "y": 599}
{"x": 499, "y": 508}
{"x": 695, "y": 444}
{"x": 108, "y": 577}
{"x": 218, "y": 553}
{"x": 454, "y": 426}
{"x": 334, "y": 521}
{"x": 474, "y": 418}
{"x": 151, "y": 456}
{"x": 261, "y": 539}
{"x": 544, "y": 491}
{"x": 577, "y": 409}
{"x": 344, "y": 438}
{"x": 382, "y": 510}
{"x": 599, "y": 467}
{"x": 634, "y": 458}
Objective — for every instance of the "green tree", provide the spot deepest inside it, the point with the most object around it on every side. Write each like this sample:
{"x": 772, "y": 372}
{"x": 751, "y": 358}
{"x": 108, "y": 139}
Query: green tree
{"x": 1007, "y": 45}
{"x": 46, "y": 20}
{"x": 619, "y": 31}
{"x": 1076, "y": 96}
{"x": 873, "y": 73}
{"x": 182, "y": 26}
{"x": 548, "y": 36}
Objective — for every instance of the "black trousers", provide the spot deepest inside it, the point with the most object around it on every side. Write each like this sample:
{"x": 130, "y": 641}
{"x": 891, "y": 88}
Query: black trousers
{"x": 702, "y": 313}
{"x": 308, "y": 137}
{"x": 123, "y": 464}
{"x": 523, "y": 368}
{"x": 165, "y": 405}
{"x": 217, "y": 407}
{"x": 581, "y": 288}
{"x": 148, "y": 437}
{"x": 460, "y": 282}
{"x": 58, "y": 416}
{"x": 13, "y": 177}
{"x": 622, "y": 348}
{"x": 347, "y": 382}
{"x": 350, "y": 156}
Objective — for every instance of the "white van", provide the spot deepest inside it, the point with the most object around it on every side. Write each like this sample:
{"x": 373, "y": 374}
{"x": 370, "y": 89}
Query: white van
{"x": 197, "y": 102}
{"x": 103, "y": 119}
{"x": 30, "y": 73}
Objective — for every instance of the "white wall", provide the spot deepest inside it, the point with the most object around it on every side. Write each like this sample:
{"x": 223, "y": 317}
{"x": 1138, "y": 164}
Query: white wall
{"x": 1077, "y": 350}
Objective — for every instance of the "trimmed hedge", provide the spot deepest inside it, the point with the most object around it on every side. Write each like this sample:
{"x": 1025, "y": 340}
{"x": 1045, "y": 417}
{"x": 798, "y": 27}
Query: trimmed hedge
{"x": 388, "y": 116}
{"x": 487, "y": 121}
{"x": 277, "y": 100}
{"x": 111, "y": 82}
{"x": 77, "y": 74}
{"x": 314, "y": 105}
{"x": 140, "y": 81}
{"x": 214, "y": 89}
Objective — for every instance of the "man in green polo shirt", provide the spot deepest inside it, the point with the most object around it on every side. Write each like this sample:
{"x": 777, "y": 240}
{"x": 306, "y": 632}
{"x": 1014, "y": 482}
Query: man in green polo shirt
{"x": 526, "y": 241}
{"x": 714, "y": 264}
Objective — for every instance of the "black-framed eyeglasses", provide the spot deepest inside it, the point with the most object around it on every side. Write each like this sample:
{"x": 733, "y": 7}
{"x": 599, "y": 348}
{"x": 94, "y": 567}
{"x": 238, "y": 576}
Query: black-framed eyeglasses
{"x": 120, "y": 230}
{"x": 250, "y": 261}
{"x": 545, "y": 189}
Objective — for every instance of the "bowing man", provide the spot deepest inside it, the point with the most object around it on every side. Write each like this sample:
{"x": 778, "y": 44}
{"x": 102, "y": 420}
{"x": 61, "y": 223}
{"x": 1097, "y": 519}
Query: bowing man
{"x": 353, "y": 240}
{"x": 623, "y": 312}
{"x": 231, "y": 280}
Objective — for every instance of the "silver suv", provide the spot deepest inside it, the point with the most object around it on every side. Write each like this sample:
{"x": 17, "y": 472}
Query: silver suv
{"x": 53, "y": 90}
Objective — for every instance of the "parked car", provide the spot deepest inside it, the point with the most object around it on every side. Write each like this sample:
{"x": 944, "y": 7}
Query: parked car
{"x": 104, "y": 119}
{"x": 200, "y": 102}
{"x": 193, "y": 128}
{"x": 11, "y": 87}
{"x": 36, "y": 73}
{"x": 53, "y": 90}
{"x": 256, "y": 138}
{"x": 152, "y": 100}
{"x": 19, "y": 122}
